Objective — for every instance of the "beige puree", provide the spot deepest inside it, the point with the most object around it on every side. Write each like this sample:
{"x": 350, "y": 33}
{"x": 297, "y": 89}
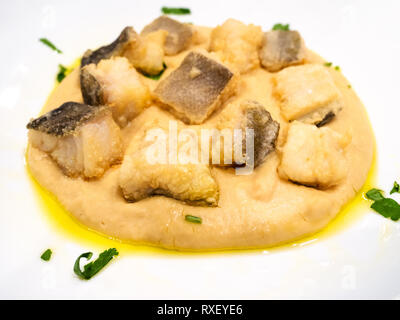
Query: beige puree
{"x": 253, "y": 211}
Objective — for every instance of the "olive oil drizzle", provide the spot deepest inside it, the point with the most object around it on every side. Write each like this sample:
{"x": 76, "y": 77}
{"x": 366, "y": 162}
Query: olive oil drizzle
{"x": 66, "y": 224}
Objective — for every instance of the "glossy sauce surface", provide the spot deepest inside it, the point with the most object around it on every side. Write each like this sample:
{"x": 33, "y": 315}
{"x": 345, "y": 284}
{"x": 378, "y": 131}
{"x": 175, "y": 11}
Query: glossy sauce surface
{"x": 64, "y": 223}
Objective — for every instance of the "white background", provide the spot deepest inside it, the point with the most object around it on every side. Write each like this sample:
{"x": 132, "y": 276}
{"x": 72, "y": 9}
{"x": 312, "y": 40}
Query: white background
{"x": 361, "y": 262}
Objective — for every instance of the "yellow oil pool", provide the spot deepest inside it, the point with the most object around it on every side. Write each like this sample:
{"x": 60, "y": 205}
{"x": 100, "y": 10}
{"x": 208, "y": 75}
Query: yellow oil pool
{"x": 67, "y": 225}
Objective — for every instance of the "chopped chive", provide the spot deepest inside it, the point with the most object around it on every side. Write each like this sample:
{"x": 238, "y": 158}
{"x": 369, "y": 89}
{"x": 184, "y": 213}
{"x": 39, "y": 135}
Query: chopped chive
{"x": 329, "y": 64}
{"x": 280, "y": 26}
{"x": 92, "y": 268}
{"x": 193, "y": 219}
{"x": 46, "y": 255}
{"x": 155, "y": 76}
{"x": 50, "y": 44}
{"x": 169, "y": 10}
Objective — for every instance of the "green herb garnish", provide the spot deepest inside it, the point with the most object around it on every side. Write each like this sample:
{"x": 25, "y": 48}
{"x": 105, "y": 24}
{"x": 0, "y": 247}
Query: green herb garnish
{"x": 193, "y": 219}
{"x": 279, "y": 26}
{"x": 375, "y": 194}
{"x": 349, "y": 86}
{"x": 95, "y": 266}
{"x": 329, "y": 64}
{"x": 396, "y": 188}
{"x": 168, "y": 10}
{"x": 386, "y": 207}
{"x": 50, "y": 44}
{"x": 46, "y": 255}
{"x": 62, "y": 73}
{"x": 155, "y": 76}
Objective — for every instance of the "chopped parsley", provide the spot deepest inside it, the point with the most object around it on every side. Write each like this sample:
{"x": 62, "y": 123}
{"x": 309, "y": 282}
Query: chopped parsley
{"x": 155, "y": 76}
{"x": 396, "y": 188}
{"x": 46, "y": 255}
{"x": 375, "y": 194}
{"x": 169, "y": 10}
{"x": 337, "y": 68}
{"x": 280, "y": 26}
{"x": 62, "y": 73}
{"x": 193, "y": 219}
{"x": 386, "y": 207}
{"x": 349, "y": 86}
{"x": 50, "y": 44}
{"x": 93, "y": 267}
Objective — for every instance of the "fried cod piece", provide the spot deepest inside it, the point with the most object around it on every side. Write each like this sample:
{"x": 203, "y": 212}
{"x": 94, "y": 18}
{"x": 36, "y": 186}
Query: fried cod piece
{"x": 179, "y": 34}
{"x": 140, "y": 178}
{"x": 250, "y": 115}
{"x": 313, "y": 156}
{"x": 147, "y": 54}
{"x": 196, "y": 88}
{"x": 114, "y": 82}
{"x": 281, "y": 48}
{"x": 237, "y": 44}
{"x": 127, "y": 37}
{"x": 81, "y": 139}
{"x": 307, "y": 93}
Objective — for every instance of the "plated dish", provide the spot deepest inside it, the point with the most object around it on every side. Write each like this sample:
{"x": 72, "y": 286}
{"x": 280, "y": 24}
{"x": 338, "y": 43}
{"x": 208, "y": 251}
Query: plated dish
{"x": 129, "y": 142}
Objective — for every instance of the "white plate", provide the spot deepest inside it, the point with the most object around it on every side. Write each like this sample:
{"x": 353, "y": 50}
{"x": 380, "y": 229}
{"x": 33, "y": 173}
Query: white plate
{"x": 361, "y": 261}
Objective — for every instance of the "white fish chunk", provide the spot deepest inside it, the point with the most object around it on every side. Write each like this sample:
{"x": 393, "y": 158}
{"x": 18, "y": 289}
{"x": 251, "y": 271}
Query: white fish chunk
{"x": 196, "y": 88}
{"x": 81, "y": 139}
{"x": 127, "y": 38}
{"x": 190, "y": 183}
{"x": 147, "y": 53}
{"x": 250, "y": 115}
{"x": 114, "y": 82}
{"x": 237, "y": 44}
{"x": 313, "y": 156}
{"x": 307, "y": 93}
{"x": 281, "y": 48}
{"x": 179, "y": 34}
